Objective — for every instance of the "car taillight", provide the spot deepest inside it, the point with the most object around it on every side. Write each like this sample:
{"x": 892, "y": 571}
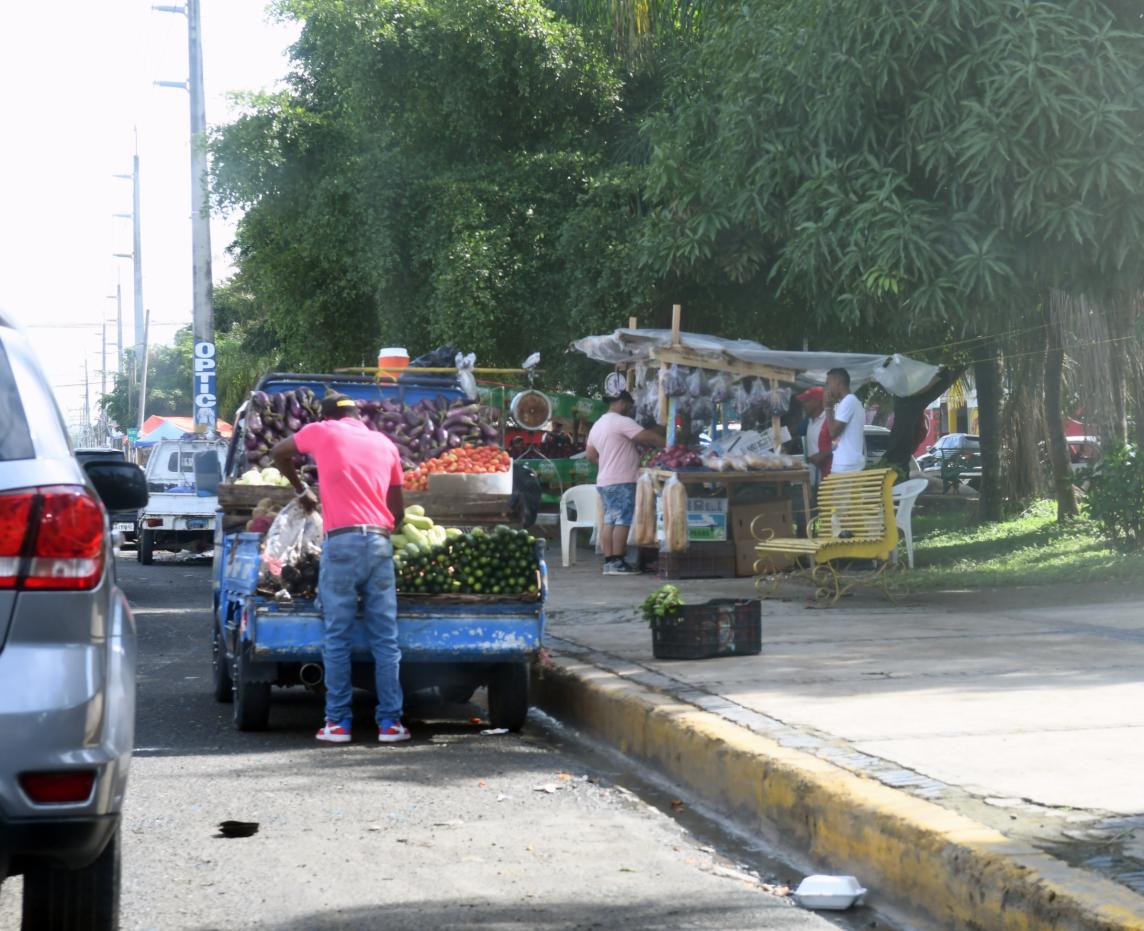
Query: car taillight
{"x": 50, "y": 539}
{"x": 15, "y": 511}
{"x": 58, "y": 788}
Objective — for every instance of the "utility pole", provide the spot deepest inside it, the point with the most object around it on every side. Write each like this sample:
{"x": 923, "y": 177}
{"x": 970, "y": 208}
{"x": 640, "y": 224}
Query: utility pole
{"x": 143, "y": 377}
{"x": 204, "y": 386}
{"x": 103, "y": 361}
{"x": 86, "y": 405}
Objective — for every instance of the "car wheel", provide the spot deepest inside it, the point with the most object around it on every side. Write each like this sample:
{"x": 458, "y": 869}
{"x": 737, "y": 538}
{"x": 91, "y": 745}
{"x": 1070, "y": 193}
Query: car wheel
{"x": 146, "y": 546}
{"x": 58, "y": 899}
{"x": 508, "y": 695}
{"x": 251, "y": 699}
{"x": 220, "y": 669}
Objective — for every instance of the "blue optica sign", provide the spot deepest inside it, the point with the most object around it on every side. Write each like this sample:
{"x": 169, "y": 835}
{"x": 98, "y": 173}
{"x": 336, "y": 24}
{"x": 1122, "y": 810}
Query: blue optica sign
{"x": 206, "y": 400}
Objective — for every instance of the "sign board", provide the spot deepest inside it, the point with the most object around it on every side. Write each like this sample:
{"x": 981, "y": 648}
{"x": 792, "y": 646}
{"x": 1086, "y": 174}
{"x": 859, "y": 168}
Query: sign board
{"x": 132, "y": 434}
{"x": 206, "y": 401}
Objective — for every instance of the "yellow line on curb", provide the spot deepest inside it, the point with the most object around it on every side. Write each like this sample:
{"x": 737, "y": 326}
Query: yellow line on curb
{"x": 957, "y": 871}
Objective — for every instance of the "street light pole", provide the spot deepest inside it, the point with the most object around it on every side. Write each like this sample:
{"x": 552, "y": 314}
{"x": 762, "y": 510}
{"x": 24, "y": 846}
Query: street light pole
{"x": 204, "y": 386}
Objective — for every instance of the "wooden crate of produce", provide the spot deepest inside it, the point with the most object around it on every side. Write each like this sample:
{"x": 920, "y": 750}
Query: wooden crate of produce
{"x": 232, "y": 496}
{"x": 463, "y": 510}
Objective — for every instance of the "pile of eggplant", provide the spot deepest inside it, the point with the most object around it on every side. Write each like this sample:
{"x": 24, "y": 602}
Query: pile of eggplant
{"x": 425, "y": 430}
{"x": 421, "y": 431}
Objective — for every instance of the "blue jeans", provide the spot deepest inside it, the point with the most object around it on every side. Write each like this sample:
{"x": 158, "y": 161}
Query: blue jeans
{"x": 354, "y": 565}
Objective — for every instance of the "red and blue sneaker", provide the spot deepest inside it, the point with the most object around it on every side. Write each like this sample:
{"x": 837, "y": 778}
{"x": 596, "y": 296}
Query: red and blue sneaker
{"x": 335, "y": 733}
{"x": 392, "y": 732}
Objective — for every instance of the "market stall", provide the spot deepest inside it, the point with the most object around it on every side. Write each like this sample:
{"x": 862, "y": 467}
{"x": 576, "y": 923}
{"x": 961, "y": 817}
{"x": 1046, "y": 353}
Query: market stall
{"x": 723, "y": 478}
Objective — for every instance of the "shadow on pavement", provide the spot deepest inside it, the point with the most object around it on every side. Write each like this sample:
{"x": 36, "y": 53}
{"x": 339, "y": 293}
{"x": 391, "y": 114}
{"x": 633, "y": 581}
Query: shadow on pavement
{"x": 581, "y": 913}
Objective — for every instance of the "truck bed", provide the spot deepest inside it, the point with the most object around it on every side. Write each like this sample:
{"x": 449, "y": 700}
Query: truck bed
{"x": 429, "y": 629}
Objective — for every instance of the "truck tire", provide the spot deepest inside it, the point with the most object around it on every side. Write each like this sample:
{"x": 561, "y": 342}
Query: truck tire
{"x": 146, "y": 550}
{"x": 508, "y": 695}
{"x": 220, "y": 669}
{"x": 58, "y": 899}
{"x": 251, "y": 699}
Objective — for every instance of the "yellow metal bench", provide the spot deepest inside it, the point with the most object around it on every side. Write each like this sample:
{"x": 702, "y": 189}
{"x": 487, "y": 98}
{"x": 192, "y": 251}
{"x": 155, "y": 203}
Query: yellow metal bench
{"x": 854, "y": 521}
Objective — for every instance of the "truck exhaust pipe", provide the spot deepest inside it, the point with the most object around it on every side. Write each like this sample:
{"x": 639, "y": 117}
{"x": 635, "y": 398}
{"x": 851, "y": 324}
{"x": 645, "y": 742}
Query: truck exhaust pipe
{"x": 311, "y": 674}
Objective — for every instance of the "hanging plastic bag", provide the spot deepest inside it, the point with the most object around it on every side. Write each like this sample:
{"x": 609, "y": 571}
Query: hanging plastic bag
{"x": 674, "y": 381}
{"x": 740, "y": 398}
{"x": 702, "y": 412}
{"x": 674, "y": 516}
{"x": 465, "y": 377}
{"x": 696, "y": 384}
{"x": 719, "y": 388}
{"x": 643, "y": 525}
{"x": 647, "y": 403}
{"x": 778, "y": 400}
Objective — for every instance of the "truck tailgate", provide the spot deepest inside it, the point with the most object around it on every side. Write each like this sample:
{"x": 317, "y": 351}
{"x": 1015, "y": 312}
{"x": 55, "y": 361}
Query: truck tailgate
{"x": 180, "y": 505}
{"x": 489, "y": 632}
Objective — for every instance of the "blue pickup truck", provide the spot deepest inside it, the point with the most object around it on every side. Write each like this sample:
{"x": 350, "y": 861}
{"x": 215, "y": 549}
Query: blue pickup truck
{"x": 450, "y": 647}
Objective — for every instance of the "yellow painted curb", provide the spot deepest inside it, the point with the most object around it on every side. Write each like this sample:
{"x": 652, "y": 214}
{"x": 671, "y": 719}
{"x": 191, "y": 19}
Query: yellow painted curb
{"x": 958, "y": 872}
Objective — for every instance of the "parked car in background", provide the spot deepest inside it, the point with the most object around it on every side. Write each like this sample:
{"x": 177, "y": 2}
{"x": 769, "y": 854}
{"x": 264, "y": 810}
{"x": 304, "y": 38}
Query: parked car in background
{"x": 966, "y": 446}
{"x": 877, "y": 442}
{"x": 67, "y": 657}
{"x": 122, "y": 522}
{"x": 184, "y": 498}
{"x": 1084, "y": 451}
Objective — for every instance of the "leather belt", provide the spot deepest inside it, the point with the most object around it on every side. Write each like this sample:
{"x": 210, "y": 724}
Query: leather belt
{"x": 360, "y": 529}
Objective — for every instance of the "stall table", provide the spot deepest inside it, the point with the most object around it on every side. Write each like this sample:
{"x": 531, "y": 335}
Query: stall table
{"x": 789, "y": 485}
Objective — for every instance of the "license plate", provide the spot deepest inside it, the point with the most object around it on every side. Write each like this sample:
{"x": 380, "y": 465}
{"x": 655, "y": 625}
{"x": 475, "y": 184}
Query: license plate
{"x": 197, "y": 523}
{"x": 124, "y": 527}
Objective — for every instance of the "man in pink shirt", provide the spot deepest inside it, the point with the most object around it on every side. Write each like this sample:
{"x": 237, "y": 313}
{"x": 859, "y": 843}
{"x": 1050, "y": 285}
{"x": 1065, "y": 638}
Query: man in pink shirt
{"x": 360, "y": 482}
{"x": 613, "y": 445}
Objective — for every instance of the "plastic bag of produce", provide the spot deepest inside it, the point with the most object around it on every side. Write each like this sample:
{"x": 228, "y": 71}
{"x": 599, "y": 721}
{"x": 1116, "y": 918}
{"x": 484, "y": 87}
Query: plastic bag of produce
{"x": 778, "y": 400}
{"x": 465, "y": 377}
{"x": 644, "y": 522}
{"x": 702, "y": 412}
{"x": 674, "y": 516}
{"x": 696, "y": 384}
{"x": 719, "y": 388}
{"x": 647, "y": 403}
{"x": 293, "y": 538}
{"x": 740, "y": 398}
{"x": 674, "y": 381}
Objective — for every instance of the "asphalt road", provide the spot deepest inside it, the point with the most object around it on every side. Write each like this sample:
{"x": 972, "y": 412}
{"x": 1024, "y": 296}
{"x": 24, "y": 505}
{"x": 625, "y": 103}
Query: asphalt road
{"x": 453, "y": 830}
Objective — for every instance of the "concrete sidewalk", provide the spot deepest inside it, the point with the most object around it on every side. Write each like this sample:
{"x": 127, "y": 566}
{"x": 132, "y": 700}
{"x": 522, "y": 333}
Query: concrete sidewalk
{"x": 1020, "y": 711}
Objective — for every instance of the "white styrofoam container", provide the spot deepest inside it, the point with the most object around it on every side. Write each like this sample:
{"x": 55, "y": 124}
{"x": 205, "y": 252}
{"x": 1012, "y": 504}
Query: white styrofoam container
{"x": 460, "y": 484}
{"x": 830, "y": 893}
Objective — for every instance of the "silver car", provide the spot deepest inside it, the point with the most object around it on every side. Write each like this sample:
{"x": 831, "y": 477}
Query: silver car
{"x": 67, "y": 657}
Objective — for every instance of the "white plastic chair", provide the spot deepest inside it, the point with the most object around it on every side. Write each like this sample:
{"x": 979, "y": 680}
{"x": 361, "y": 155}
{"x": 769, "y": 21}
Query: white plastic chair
{"x": 582, "y": 499}
{"x": 905, "y": 494}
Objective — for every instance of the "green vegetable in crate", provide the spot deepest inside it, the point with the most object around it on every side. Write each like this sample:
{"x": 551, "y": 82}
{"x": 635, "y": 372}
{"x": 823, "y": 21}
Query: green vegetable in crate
{"x": 503, "y": 562}
{"x": 663, "y": 602}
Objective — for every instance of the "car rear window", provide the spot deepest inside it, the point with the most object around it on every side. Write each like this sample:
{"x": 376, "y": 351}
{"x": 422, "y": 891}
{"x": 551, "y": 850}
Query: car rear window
{"x": 15, "y": 437}
{"x": 877, "y": 443}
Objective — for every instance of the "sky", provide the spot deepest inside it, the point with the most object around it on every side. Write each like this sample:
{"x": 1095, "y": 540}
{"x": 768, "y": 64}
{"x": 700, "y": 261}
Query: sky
{"x": 78, "y": 83}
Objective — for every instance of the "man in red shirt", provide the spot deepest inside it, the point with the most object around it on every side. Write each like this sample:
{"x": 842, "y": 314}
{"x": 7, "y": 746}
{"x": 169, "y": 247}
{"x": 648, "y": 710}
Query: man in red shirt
{"x": 360, "y": 482}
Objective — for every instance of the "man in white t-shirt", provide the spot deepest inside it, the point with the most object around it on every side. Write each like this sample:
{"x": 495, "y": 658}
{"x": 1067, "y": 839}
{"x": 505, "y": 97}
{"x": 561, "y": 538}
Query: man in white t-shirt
{"x": 846, "y": 422}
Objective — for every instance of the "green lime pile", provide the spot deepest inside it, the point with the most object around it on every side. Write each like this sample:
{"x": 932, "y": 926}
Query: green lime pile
{"x": 501, "y": 562}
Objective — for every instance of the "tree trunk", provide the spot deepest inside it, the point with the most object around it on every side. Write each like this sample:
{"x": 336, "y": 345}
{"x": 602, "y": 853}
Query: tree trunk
{"x": 987, "y": 375}
{"x": 1054, "y": 420}
{"x": 909, "y": 418}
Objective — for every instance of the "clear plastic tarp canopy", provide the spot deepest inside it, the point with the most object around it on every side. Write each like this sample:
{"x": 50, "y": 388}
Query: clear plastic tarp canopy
{"x": 898, "y": 374}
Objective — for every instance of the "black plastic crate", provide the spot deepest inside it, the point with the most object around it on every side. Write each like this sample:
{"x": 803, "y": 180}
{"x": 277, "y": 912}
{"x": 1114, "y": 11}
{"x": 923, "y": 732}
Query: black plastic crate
{"x": 720, "y": 627}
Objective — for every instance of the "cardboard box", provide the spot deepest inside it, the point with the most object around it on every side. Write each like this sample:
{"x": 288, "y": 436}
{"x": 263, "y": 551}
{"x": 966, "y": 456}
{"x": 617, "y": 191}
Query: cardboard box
{"x": 774, "y": 515}
{"x": 706, "y": 519}
{"x": 746, "y": 557}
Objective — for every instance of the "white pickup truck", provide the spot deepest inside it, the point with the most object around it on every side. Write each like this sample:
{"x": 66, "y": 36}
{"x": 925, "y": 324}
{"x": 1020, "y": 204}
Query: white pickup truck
{"x": 183, "y": 501}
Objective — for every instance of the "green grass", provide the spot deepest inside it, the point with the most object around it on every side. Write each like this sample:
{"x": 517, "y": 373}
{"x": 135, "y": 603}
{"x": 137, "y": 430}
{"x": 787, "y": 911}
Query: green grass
{"x": 1032, "y": 549}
